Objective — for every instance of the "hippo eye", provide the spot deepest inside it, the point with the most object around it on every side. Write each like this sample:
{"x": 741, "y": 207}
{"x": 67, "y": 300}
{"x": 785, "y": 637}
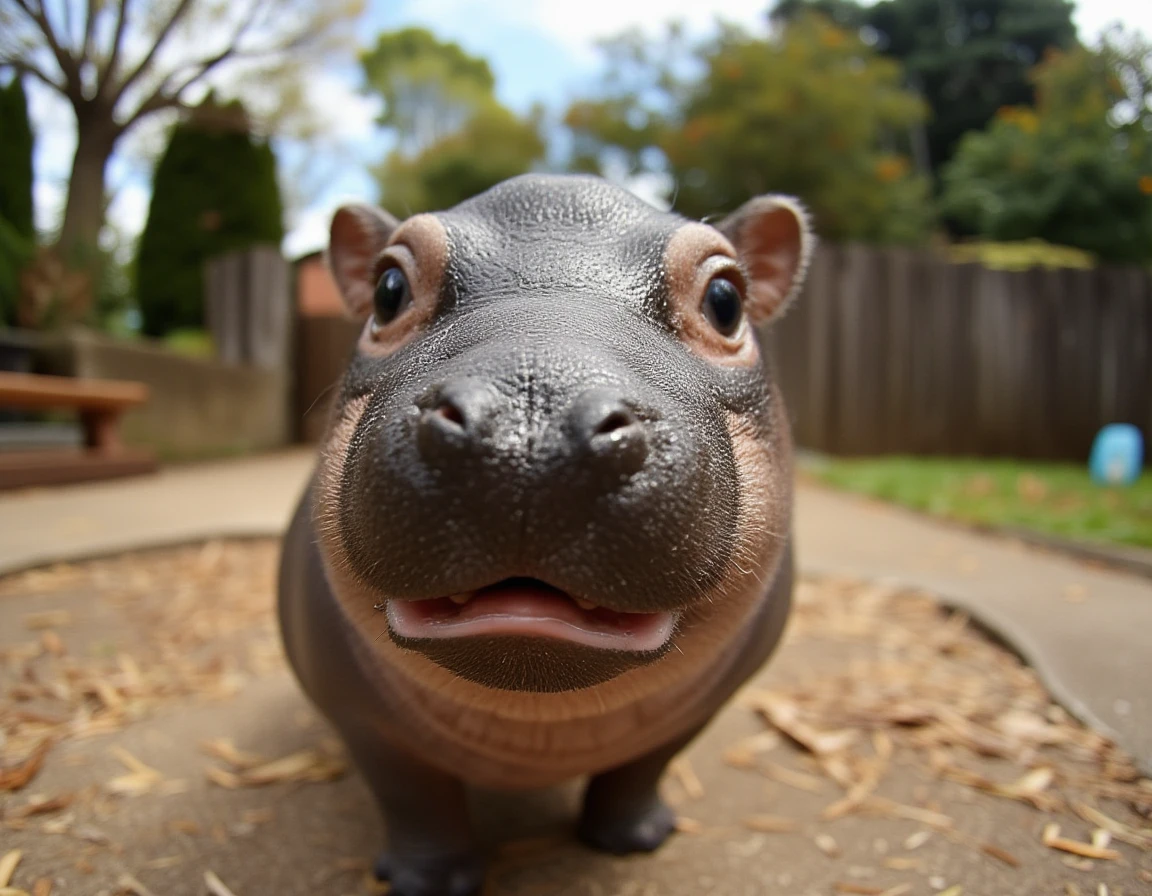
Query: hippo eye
{"x": 392, "y": 294}
{"x": 723, "y": 306}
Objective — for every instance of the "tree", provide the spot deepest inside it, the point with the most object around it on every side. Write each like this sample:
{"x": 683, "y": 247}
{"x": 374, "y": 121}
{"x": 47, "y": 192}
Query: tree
{"x": 118, "y": 63}
{"x": 810, "y": 110}
{"x": 453, "y": 138}
{"x": 430, "y": 87}
{"x": 16, "y": 160}
{"x": 214, "y": 191}
{"x": 493, "y": 146}
{"x": 1075, "y": 170}
{"x": 967, "y": 58}
{"x": 17, "y": 230}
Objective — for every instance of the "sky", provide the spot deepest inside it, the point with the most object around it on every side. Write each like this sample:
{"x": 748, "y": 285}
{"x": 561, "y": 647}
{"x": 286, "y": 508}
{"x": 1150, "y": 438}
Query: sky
{"x": 539, "y": 52}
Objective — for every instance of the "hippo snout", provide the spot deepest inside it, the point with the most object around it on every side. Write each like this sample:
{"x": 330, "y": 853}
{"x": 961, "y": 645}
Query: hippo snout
{"x": 602, "y": 431}
{"x": 598, "y": 486}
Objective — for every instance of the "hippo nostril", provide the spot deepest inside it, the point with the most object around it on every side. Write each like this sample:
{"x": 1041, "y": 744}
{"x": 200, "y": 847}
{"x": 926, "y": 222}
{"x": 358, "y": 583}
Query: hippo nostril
{"x": 616, "y": 420}
{"x": 451, "y": 413}
{"x": 455, "y": 416}
{"x": 622, "y": 449}
{"x": 607, "y": 433}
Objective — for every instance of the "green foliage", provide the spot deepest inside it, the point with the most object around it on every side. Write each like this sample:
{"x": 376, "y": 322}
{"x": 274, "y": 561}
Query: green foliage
{"x": 967, "y": 58}
{"x": 1021, "y": 256}
{"x": 811, "y": 111}
{"x": 16, "y": 160}
{"x": 493, "y": 146}
{"x": 114, "y": 303}
{"x": 16, "y": 251}
{"x": 190, "y": 342}
{"x": 1077, "y": 169}
{"x": 17, "y": 230}
{"x": 430, "y": 87}
{"x": 1056, "y": 499}
{"x": 453, "y": 138}
{"x": 214, "y": 191}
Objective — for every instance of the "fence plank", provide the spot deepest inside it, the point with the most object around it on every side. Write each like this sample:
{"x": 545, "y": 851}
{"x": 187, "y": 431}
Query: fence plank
{"x": 904, "y": 352}
{"x": 249, "y": 307}
{"x": 955, "y": 346}
{"x": 809, "y": 375}
{"x": 899, "y": 299}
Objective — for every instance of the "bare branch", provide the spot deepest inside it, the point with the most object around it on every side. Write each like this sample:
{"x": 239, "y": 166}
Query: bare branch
{"x": 66, "y": 25}
{"x": 25, "y": 67}
{"x": 89, "y": 28}
{"x": 154, "y": 103}
{"x": 165, "y": 30}
{"x": 107, "y": 73}
{"x": 71, "y": 87}
{"x": 166, "y": 95}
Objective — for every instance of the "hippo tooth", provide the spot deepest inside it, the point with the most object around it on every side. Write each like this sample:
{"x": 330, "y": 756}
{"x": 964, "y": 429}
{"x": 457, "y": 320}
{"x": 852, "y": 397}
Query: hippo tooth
{"x": 584, "y": 604}
{"x": 460, "y": 598}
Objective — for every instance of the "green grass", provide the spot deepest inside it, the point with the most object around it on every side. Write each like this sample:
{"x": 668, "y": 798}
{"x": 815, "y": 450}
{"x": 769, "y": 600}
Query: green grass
{"x": 193, "y": 343}
{"x": 1053, "y": 499}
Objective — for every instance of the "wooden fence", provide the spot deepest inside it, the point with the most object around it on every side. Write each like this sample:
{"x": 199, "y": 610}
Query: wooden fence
{"x": 248, "y": 307}
{"x": 323, "y": 348}
{"x": 893, "y": 351}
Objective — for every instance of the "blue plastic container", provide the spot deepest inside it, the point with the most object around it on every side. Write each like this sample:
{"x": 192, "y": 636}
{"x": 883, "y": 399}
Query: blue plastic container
{"x": 1117, "y": 454}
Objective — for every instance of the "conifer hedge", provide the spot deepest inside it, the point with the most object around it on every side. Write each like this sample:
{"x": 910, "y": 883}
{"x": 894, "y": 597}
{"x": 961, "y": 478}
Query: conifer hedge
{"x": 17, "y": 228}
{"x": 214, "y": 191}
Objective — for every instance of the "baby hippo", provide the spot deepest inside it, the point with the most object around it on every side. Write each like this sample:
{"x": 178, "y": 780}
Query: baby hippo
{"x": 549, "y": 532}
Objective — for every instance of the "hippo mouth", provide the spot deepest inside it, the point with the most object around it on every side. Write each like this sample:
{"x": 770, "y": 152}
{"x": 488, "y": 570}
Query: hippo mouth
{"x": 522, "y": 607}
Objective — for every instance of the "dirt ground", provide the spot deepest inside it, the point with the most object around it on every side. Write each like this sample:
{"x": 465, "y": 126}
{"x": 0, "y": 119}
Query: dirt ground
{"x": 153, "y": 742}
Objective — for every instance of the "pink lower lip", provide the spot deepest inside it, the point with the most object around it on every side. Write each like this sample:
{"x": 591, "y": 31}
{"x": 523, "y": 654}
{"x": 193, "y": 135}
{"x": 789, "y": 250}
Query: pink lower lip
{"x": 532, "y": 612}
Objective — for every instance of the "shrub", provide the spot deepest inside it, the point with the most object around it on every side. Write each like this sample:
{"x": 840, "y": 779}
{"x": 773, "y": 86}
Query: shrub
{"x": 214, "y": 191}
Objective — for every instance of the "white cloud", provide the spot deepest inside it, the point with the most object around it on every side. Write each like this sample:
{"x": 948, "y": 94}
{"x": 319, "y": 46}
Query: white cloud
{"x": 54, "y": 126}
{"x": 48, "y": 198}
{"x": 1094, "y": 16}
{"x": 579, "y": 24}
{"x": 343, "y": 113}
{"x": 127, "y": 213}
{"x": 310, "y": 233}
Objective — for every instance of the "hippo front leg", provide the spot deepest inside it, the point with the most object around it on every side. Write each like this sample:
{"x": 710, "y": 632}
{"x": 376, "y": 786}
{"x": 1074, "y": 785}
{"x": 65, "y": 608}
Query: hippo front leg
{"x": 623, "y": 811}
{"x": 431, "y": 848}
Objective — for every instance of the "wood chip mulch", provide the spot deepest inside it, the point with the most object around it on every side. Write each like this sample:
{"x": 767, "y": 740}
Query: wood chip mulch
{"x": 911, "y": 683}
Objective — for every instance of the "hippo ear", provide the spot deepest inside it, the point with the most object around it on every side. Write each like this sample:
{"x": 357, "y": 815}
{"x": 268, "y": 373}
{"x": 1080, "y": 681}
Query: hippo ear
{"x": 358, "y": 234}
{"x": 772, "y": 237}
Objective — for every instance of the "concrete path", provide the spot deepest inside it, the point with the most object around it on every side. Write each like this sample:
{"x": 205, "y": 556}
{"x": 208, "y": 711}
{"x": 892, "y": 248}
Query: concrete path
{"x": 252, "y": 496}
{"x": 1088, "y": 631}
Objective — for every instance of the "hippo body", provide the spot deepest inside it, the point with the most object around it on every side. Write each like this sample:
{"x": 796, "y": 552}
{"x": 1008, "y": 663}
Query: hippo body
{"x": 549, "y": 531}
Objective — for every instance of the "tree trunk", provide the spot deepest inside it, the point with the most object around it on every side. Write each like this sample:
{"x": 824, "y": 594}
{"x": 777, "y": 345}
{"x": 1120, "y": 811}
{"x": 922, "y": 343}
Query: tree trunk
{"x": 84, "y": 211}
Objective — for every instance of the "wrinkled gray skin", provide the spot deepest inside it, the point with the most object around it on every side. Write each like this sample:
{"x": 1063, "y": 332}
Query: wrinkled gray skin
{"x": 553, "y": 316}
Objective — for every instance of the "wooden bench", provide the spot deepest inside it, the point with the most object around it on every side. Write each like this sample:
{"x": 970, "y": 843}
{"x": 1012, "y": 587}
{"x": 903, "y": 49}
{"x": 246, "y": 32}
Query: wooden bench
{"x": 100, "y": 404}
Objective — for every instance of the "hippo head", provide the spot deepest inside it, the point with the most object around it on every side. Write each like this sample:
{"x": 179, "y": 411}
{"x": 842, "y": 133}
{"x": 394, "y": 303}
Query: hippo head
{"x": 558, "y": 456}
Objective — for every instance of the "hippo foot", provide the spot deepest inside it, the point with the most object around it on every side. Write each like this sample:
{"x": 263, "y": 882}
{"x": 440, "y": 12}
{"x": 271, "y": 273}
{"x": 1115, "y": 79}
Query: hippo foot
{"x": 430, "y": 875}
{"x": 639, "y": 828}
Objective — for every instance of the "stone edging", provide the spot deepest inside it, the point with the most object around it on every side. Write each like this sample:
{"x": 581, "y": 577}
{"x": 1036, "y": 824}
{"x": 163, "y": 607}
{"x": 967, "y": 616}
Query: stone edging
{"x": 1012, "y": 638}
